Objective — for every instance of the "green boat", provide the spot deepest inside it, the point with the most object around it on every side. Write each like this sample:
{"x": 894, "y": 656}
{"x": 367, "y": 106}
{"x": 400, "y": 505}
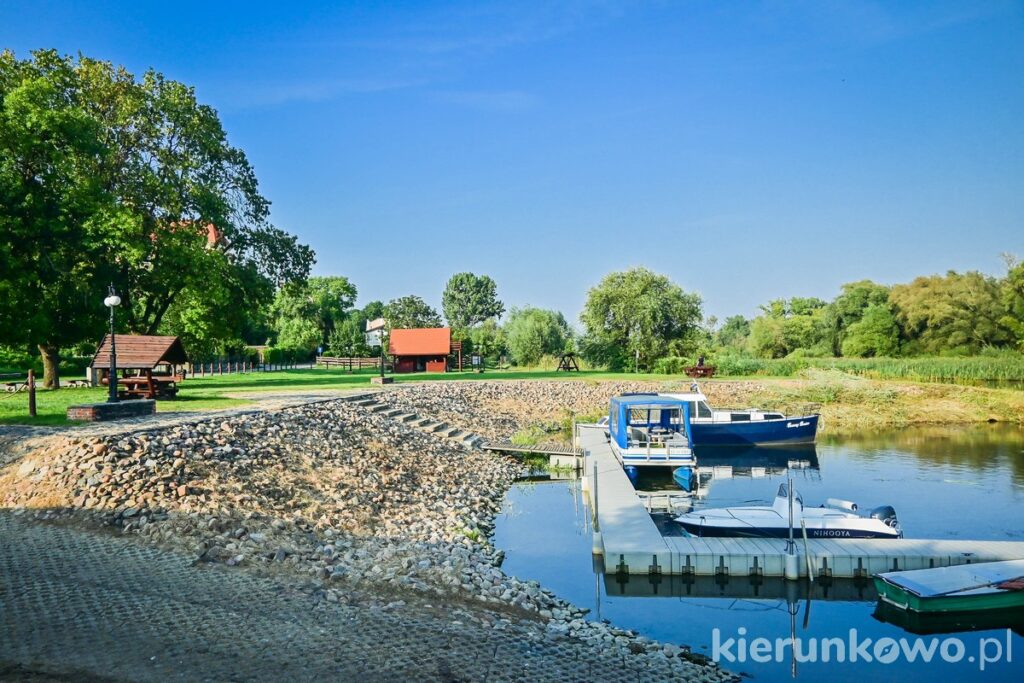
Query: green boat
{"x": 962, "y": 588}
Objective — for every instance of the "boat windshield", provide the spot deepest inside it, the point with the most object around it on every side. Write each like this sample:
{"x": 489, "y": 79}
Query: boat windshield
{"x": 784, "y": 493}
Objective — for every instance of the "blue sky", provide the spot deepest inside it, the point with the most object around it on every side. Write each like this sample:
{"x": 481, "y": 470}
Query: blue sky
{"x": 748, "y": 150}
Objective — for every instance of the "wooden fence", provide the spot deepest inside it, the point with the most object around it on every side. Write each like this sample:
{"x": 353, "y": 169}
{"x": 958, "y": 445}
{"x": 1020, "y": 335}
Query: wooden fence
{"x": 348, "y": 363}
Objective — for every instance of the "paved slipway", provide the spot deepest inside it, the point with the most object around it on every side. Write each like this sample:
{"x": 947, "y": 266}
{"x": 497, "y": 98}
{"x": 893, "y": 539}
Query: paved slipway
{"x": 87, "y": 606}
{"x": 87, "y": 602}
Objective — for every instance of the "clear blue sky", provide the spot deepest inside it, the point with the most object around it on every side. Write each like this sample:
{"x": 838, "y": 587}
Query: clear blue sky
{"x": 747, "y": 150}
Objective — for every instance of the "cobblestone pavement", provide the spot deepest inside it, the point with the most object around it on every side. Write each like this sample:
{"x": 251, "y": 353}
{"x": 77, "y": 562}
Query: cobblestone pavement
{"x": 90, "y": 606}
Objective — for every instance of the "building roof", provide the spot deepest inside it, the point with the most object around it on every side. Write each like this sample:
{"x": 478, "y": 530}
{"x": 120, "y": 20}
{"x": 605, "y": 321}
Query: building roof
{"x": 423, "y": 341}
{"x": 140, "y": 352}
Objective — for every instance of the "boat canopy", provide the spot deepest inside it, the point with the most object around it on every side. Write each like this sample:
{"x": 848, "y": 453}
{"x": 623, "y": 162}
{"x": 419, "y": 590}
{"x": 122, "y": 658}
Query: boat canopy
{"x": 646, "y": 412}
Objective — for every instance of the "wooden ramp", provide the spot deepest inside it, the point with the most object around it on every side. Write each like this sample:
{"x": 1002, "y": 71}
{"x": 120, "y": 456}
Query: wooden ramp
{"x": 632, "y": 544}
{"x": 540, "y": 449}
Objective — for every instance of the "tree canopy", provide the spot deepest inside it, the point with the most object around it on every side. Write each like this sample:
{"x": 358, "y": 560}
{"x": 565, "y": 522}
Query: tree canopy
{"x": 532, "y": 333}
{"x": 470, "y": 299}
{"x": 105, "y": 177}
{"x": 631, "y": 318}
{"x": 409, "y": 312}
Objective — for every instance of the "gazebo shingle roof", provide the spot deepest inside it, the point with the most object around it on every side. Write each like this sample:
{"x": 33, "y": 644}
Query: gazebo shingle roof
{"x": 140, "y": 352}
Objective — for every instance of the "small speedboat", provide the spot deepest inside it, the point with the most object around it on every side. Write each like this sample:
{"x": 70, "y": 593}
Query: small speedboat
{"x": 839, "y": 519}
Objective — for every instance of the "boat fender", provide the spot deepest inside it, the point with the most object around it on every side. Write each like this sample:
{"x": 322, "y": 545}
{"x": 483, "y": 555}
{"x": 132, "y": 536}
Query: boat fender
{"x": 840, "y": 504}
{"x": 886, "y": 513}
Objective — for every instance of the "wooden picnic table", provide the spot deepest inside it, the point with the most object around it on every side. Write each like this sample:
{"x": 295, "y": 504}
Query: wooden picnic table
{"x": 147, "y": 386}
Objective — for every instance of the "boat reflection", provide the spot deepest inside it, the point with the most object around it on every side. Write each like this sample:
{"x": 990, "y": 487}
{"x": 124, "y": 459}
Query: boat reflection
{"x": 737, "y": 587}
{"x": 931, "y": 623}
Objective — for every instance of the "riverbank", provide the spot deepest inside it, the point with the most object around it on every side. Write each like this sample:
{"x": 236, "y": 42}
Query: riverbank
{"x": 329, "y": 494}
{"x": 543, "y": 410}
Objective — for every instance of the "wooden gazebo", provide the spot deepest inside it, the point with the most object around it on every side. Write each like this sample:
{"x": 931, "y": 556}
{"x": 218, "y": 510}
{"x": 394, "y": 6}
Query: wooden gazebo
{"x": 153, "y": 364}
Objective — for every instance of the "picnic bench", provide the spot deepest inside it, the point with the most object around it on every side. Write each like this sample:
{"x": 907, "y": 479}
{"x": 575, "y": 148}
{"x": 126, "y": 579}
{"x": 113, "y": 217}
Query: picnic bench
{"x": 701, "y": 371}
{"x": 147, "y": 386}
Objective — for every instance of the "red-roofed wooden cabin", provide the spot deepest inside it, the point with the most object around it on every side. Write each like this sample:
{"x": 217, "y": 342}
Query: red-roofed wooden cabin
{"x": 422, "y": 349}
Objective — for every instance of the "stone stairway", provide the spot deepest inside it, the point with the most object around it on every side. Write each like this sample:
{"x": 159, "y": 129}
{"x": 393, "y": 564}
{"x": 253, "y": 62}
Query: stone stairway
{"x": 426, "y": 425}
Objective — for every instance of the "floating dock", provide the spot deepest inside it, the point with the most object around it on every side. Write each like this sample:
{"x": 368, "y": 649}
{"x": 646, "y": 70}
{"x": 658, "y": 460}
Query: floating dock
{"x": 630, "y": 543}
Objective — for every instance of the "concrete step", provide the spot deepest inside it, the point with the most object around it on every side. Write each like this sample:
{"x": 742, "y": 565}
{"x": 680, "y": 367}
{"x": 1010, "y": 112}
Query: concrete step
{"x": 407, "y": 417}
{"x": 379, "y": 407}
{"x": 392, "y": 412}
{"x": 365, "y": 402}
{"x": 450, "y": 432}
{"x": 473, "y": 440}
{"x": 420, "y": 422}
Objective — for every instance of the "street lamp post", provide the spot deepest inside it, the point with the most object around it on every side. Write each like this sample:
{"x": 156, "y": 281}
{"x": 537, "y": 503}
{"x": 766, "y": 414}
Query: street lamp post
{"x": 112, "y": 301}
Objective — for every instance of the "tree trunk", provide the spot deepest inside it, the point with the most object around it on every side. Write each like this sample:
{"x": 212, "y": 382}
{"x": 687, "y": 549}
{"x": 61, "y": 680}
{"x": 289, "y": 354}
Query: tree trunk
{"x": 51, "y": 365}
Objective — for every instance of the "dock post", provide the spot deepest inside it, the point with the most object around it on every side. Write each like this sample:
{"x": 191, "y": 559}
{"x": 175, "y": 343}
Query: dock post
{"x": 792, "y": 566}
{"x": 594, "y": 498}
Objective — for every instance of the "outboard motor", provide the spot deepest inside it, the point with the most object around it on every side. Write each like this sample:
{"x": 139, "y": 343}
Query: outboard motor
{"x": 887, "y": 514}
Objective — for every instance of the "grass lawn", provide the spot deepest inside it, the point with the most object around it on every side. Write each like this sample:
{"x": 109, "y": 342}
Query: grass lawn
{"x": 217, "y": 392}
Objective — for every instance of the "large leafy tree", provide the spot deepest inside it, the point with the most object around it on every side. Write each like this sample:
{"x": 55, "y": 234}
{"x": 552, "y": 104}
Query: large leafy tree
{"x": 1013, "y": 301}
{"x": 410, "y": 311}
{"x": 849, "y": 307}
{"x": 787, "y": 325}
{"x": 142, "y": 189}
{"x": 955, "y": 313}
{"x": 631, "y": 318}
{"x": 532, "y": 333}
{"x": 470, "y": 299}
{"x": 308, "y": 313}
{"x": 874, "y": 334}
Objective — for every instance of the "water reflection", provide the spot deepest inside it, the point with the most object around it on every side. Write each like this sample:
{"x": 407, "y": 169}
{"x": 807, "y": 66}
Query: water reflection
{"x": 944, "y": 482}
{"x": 980, "y": 448}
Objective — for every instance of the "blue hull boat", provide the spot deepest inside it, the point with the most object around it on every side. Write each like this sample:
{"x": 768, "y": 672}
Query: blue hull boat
{"x": 796, "y": 430}
{"x": 746, "y": 427}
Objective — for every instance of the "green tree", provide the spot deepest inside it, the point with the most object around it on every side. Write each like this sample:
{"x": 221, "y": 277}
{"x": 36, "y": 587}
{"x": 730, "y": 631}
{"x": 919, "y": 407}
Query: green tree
{"x": 874, "y": 334}
{"x": 1012, "y": 295}
{"x": 349, "y": 338}
{"x": 307, "y": 314}
{"x": 789, "y": 325}
{"x": 955, "y": 313}
{"x": 535, "y": 332}
{"x": 767, "y": 337}
{"x": 487, "y": 339}
{"x": 470, "y": 299}
{"x": 409, "y": 312}
{"x": 849, "y": 307}
{"x": 632, "y": 317}
{"x": 734, "y": 332}
{"x": 105, "y": 177}
{"x": 333, "y": 298}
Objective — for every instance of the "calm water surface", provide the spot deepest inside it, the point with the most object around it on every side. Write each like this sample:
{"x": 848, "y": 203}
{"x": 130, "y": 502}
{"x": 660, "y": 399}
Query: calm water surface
{"x": 944, "y": 483}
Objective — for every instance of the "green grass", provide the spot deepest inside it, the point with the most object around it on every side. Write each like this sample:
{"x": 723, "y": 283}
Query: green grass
{"x": 227, "y": 391}
{"x": 1004, "y": 367}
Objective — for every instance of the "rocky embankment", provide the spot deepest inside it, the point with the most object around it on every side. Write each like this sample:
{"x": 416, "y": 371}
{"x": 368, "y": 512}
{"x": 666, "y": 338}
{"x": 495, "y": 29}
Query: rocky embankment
{"x": 357, "y": 503}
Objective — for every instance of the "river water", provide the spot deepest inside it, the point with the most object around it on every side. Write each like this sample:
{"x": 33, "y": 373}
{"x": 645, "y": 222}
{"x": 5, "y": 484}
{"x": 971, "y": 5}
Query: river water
{"x": 944, "y": 483}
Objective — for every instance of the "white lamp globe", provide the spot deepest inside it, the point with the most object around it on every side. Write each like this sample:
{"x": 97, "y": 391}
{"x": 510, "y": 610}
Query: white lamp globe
{"x": 112, "y": 300}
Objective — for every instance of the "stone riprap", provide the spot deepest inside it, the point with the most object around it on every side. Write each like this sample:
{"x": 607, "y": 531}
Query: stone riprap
{"x": 330, "y": 492}
{"x": 498, "y": 410}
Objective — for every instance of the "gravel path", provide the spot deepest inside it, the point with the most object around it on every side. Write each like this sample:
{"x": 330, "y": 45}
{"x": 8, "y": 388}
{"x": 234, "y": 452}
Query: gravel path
{"x": 85, "y": 606}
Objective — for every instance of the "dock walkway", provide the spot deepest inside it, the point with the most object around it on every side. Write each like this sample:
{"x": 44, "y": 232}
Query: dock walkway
{"x": 631, "y": 543}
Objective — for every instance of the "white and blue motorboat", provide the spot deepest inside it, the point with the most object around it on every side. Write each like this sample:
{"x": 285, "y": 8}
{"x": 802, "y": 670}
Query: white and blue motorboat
{"x": 747, "y": 427}
{"x": 835, "y": 519}
{"x": 649, "y": 430}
